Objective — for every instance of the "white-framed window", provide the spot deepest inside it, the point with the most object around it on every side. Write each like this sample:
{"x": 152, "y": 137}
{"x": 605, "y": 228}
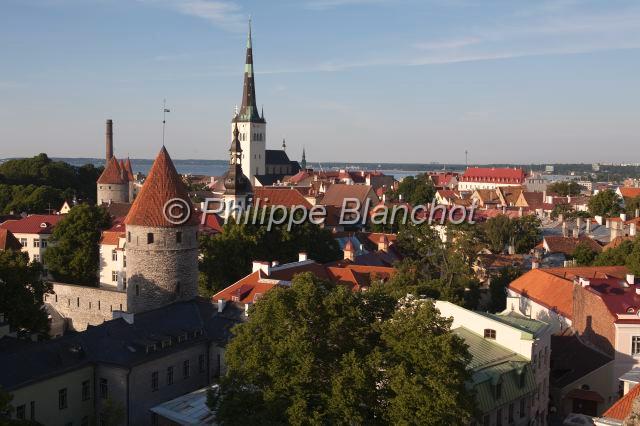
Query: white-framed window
{"x": 36, "y": 258}
{"x": 635, "y": 345}
{"x": 114, "y": 276}
{"x": 43, "y": 243}
{"x": 36, "y": 242}
{"x": 23, "y": 241}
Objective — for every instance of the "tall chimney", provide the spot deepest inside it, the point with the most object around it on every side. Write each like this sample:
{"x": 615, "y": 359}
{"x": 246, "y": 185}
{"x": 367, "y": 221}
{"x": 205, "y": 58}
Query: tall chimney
{"x": 109, "y": 139}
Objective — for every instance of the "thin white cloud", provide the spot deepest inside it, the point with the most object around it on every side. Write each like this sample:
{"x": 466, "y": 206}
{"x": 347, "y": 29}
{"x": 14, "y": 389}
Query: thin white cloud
{"x": 221, "y": 13}
{"x": 448, "y": 44}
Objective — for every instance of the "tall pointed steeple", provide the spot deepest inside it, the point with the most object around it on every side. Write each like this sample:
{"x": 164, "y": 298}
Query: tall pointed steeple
{"x": 249, "y": 109}
{"x": 235, "y": 182}
{"x": 303, "y": 163}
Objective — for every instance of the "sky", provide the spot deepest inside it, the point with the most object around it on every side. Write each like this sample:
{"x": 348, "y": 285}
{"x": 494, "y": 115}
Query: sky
{"x": 415, "y": 81}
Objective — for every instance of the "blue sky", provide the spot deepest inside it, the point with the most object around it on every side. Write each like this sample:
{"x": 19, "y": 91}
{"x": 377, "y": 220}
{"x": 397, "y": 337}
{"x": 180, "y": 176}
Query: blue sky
{"x": 352, "y": 80}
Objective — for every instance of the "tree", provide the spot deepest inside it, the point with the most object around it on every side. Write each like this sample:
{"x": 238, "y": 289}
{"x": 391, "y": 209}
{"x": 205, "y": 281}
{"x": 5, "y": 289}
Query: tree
{"x": 565, "y": 188}
{"x": 498, "y": 288}
{"x": 316, "y": 353}
{"x": 584, "y": 255}
{"x": 22, "y": 291}
{"x": 523, "y": 233}
{"x": 605, "y": 203}
{"x": 74, "y": 254}
{"x": 627, "y": 254}
{"x": 417, "y": 190}
{"x": 632, "y": 206}
{"x": 227, "y": 256}
{"x": 527, "y": 233}
{"x": 112, "y": 413}
{"x": 499, "y": 231}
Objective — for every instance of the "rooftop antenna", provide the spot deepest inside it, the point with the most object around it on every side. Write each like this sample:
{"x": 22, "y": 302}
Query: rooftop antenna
{"x": 165, "y": 110}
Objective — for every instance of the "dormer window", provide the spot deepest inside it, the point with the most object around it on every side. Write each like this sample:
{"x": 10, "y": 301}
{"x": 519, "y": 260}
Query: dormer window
{"x": 489, "y": 333}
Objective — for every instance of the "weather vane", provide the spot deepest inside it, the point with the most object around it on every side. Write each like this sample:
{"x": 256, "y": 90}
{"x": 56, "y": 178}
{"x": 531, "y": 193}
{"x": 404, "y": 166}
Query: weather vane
{"x": 165, "y": 110}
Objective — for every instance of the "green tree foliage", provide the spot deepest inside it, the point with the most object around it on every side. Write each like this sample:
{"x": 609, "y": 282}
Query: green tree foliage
{"x": 522, "y": 232}
{"x": 565, "y": 188}
{"x": 317, "y": 353}
{"x": 631, "y": 206}
{"x": 22, "y": 291}
{"x": 74, "y": 253}
{"x": 605, "y": 203}
{"x": 36, "y": 184}
{"x": 417, "y": 190}
{"x": 227, "y": 256}
{"x": 498, "y": 288}
{"x": 626, "y": 254}
{"x": 112, "y": 413}
{"x": 584, "y": 255}
{"x": 433, "y": 268}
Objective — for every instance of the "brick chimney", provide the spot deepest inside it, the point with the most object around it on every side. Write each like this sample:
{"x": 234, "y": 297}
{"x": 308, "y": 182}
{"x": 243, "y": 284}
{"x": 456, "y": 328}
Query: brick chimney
{"x": 587, "y": 228}
{"x": 632, "y": 229}
{"x": 565, "y": 229}
{"x": 576, "y": 232}
{"x": 109, "y": 140}
{"x": 302, "y": 256}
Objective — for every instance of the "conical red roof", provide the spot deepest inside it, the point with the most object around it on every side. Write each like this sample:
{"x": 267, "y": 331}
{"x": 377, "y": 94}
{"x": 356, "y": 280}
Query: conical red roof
{"x": 161, "y": 186}
{"x": 128, "y": 170}
{"x": 112, "y": 174}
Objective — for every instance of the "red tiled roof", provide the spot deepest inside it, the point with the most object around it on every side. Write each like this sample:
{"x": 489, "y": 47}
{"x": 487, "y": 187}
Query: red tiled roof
{"x": 34, "y": 224}
{"x": 622, "y": 408}
{"x": 628, "y": 192}
{"x": 162, "y": 184}
{"x": 128, "y": 170}
{"x": 546, "y": 289}
{"x": 567, "y": 245}
{"x": 111, "y": 238}
{"x": 112, "y": 174}
{"x": 8, "y": 241}
{"x": 274, "y": 196}
{"x": 336, "y": 193}
{"x": 493, "y": 174}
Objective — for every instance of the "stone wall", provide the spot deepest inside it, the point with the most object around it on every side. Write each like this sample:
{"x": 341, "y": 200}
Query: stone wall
{"x": 82, "y": 305}
{"x": 163, "y": 271}
{"x": 117, "y": 193}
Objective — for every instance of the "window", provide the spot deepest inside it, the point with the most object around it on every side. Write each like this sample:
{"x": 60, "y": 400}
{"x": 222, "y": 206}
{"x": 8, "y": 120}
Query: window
{"x": 21, "y": 412}
{"x": 43, "y": 243}
{"x": 169, "y": 375}
{"x": 522, "y": 402}
{"x": 62, "y": 399}
{"x": 36, "y": 242}
{"x": 32, "y": 408}
{"x": 114, "y": 255}
{"x": 154, "y": 381}
{"x": 499, "y": 417}
{"x": 124, "y": 260}
{"x": 36, "y": 258}
{"x": 635, "y": 345}
{"x": 86, "y": 390}
{"x": 489, "y": 333}
{"x": 114, "y": 276}
{"x": 124, "y": 282}
{"x": 23, "y": 241}
{"x": 150, "y": 238}
{"x": 104, "y": 388}
{"x": 511, "y": 413}
{"x": 201, "y": 363}
{"x": 179, "y": 237}
{"x": 186, "y": 369}
{"x": 128, "y": 237}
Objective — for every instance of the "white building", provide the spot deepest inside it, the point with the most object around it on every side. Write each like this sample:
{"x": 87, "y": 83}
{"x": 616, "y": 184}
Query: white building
{"x": 113, "y": 262}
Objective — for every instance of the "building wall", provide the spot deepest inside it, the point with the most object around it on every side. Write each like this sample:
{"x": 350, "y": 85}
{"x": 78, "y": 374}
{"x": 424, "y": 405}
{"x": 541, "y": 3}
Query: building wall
{"x": 44, "y": 394}
{"x": 625, "y": 360}
{"x": 593, "y": 321}
{"x": 113, "y": 192}
{"x": 472, "y": 186}
{"x": 253, "y": 149}
{"x": 598, "y": 380}
{"x": 140, "y": 389}
{"x": 82, "y": 305}
{"x": 108, "y": 266}
{"x": 161, "y": 272}
{"x": 117, "y": 385}
{"x": 35, "y": 245}
{"x": 528, "y": 307}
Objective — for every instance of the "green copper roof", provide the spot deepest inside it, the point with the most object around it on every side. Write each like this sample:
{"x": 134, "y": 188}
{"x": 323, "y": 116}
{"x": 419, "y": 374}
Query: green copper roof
{"x": 493, "y": 364}
{"x": 529, "y": 327}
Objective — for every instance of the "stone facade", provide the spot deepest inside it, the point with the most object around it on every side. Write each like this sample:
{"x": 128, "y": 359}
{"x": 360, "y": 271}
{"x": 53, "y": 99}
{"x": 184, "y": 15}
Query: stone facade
{"x": 162, "y": 266}
{"x": 82, "y": 306}
{"x": 113, "y": 192}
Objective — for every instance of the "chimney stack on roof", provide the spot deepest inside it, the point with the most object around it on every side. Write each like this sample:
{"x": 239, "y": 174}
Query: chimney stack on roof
{"x": 109, "y": 140}
{"x": 349, "y": 251}
{"x": 221, "y": 305}
{"x": 632, "y": 229}
{"x": 576, "y": 232}
{"x": 383, "y": 243}
{"x": 261, "y": 266}
{"x": 623, "y": 217}
{"x": 587, "y": 228}
{"x": 302, "y": 256}
{"x": 631, "y": 279}
{"x": 565, "y": 229}
{"x": 535, "y": 263}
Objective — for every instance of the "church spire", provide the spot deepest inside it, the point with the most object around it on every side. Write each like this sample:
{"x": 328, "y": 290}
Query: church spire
{"x": 235, "y": 182}
{"x": 249, "y": 109}
{"x": 303, "y": 163}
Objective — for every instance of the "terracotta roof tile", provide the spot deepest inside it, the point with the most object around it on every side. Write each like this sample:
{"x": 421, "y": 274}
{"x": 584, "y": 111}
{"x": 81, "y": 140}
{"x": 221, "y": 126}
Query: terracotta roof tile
{"x": 546, "y": 289}
{"x": 493, "y": 174}
{"x": 275, "y": 196}
{"x": 112, "y": 174}
{"x": 336, "y": 193}
{"x": 162, "y": 184}
{"x": 622, "y": 408}
{"x": 8, "y": 241}
{"x": 34, "y": 224}
{"x": 567, "y": 245}
{"x": 628, "y": 192}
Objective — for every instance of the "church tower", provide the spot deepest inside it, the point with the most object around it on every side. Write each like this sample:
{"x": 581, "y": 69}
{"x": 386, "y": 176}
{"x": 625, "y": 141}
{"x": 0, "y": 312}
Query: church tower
{"x": 161, "y": 241}
{"x": 250, "y": 123}
{"x": 236, "y": 185}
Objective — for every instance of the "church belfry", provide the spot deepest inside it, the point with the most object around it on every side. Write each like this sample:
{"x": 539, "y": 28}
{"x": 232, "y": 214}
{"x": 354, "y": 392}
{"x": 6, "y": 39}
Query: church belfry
{"x": 250, "y": 124}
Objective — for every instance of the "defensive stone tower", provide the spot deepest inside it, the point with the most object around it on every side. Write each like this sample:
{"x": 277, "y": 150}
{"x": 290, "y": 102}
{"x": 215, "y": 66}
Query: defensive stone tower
{"x": 162, "y": 241}
{"x": 113, "y": 185}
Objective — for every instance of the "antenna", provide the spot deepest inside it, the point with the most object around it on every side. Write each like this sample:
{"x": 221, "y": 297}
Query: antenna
{"x": 165, "y": 110}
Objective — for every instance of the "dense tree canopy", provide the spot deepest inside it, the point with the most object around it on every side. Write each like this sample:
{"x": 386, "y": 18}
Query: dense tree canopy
{"x": 605, "y": 203}
{"x": 227, "y": 256}
{"x": 74, "y": 253}
{"x": 22, "y": 291}
{"x": 584, "y": 255}
{"x": 36, "y": 184}
{"x": 626, "y": 254}
{"x": 522, "y": 232}
{"x": 565, "y": 188}
{"x": 317, "y": 353}
{"x": 632, "y": 206}
{"x": 417, "y": 190}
